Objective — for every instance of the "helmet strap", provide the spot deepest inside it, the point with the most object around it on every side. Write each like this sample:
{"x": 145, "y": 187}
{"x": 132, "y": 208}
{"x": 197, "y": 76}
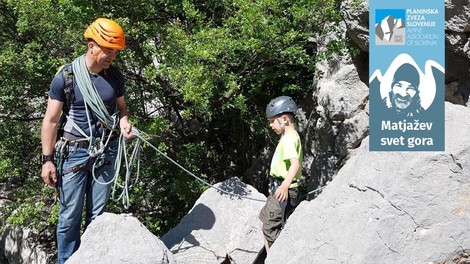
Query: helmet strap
{"x": 282, "y": 125}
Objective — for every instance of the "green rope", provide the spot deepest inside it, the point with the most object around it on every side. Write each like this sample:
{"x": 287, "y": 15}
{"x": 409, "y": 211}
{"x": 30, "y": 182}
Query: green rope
{"x": 90, "y": 94}
{"x": 129, "y": 163}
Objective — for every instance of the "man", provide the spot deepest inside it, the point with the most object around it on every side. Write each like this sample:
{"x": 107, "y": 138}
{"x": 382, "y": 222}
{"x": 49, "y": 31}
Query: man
{"x": 404, "y": 99}
{"x": 88, "y": 148}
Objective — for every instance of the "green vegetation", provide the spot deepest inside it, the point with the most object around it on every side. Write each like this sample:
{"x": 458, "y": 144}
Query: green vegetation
{"x": 199, "y": 75}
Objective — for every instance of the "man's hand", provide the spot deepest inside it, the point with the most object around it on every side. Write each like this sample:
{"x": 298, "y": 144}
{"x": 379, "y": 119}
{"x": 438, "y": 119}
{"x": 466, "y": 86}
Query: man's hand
{"x": 126, "y": 127}
{"x": 126, "y": 131}
{"x": 48, "y": 173}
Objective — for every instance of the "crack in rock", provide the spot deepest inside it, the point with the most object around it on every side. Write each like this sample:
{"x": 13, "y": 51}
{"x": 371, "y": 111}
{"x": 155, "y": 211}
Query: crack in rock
{"x": 366, "y": 188}
{"x": 454, "y": 159}
{"x": 387, "y": 246}
{"x": 397, "y": 207}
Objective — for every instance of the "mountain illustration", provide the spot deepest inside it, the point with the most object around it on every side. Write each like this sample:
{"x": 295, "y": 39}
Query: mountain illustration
{"x": 390, "y": 31}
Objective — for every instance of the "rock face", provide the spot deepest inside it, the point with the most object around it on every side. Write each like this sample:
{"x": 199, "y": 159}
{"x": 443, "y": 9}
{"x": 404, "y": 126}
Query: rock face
{"x": 457, "y": 24}
{"x": 356, "y": 16}
{"x": 339, "y": 123}
{"x": 16, "y": 245}
{"x": 388, "y": 207}
{"x": 114, "y": 239}
{"x": 220, "y": 228}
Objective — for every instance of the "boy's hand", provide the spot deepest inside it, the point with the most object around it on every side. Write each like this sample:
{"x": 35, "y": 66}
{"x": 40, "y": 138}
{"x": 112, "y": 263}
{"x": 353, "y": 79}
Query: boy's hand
{"x": 282, "y": 193}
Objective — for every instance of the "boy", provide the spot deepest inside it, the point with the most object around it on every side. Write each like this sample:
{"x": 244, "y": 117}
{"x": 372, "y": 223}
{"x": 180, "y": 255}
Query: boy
{"x": 285, "y": 171}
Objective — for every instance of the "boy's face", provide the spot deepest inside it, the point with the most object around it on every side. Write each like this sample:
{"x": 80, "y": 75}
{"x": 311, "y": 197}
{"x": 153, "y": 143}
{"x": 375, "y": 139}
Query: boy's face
{"x": 275, "y": 123}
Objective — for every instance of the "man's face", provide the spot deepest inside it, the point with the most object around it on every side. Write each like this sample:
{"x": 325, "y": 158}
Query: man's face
{"x": 104, "y": 56}
{"x": 402, "y": 94}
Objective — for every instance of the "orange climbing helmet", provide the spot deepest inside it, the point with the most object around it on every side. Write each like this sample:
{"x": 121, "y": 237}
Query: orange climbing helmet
{"x": 106, "y": 33}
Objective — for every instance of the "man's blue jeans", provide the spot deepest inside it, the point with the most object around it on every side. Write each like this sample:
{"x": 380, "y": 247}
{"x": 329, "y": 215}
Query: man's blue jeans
{"x": 75, "y": 186}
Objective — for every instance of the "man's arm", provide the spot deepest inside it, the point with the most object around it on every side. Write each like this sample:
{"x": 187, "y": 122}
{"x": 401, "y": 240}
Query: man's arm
{"x": 283, "y": 191}
{"x": 124, "y": 124}
{"x": 48, "y": 138}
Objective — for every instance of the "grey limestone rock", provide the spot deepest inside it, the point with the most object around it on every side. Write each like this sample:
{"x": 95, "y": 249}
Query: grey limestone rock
{"x": 114, "y": 239}
{"x": 220, "y": 227}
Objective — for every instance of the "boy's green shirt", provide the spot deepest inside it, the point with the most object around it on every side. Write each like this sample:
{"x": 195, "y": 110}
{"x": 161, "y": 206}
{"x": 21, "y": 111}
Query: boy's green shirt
{"x": 289, "y": 147}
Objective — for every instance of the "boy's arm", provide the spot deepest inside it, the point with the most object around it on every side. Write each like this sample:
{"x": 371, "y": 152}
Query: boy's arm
{"x": 283, "y": 191}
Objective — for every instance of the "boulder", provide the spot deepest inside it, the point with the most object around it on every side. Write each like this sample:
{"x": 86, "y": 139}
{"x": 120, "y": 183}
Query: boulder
{"x": 388, "y": 207}
{"x": 114, "y": 239}
{"x": 220, "y": 228}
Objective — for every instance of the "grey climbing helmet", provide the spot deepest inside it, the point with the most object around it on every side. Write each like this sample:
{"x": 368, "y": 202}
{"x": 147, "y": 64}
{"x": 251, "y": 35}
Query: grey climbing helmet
{"x": 280, "y": 105}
